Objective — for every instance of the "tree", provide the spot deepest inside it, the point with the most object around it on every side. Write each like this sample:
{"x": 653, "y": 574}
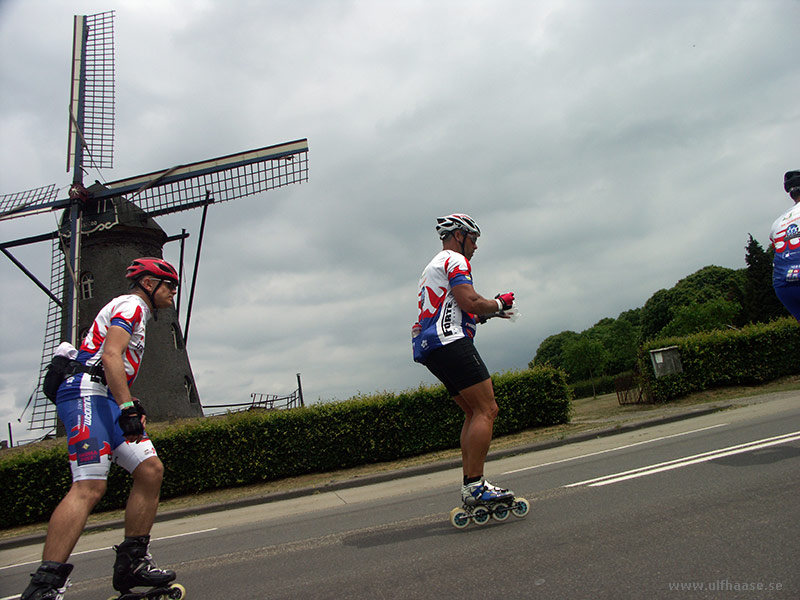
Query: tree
{"x": 759, "y": 302}
{"x": 656, "y": 313}
{"x": 620, "y": 339}
{"x": 633, "y": 316}
{"x": 702, "y": 316}
{"x": 709, "y": 298}
{"x": 709, "y": 283}
{"x": 585, "y": 358}
{"x": 551, "y": 350}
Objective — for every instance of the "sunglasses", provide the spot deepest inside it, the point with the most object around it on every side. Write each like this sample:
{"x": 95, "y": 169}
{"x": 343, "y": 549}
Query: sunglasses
{"x": 170, "y": 285}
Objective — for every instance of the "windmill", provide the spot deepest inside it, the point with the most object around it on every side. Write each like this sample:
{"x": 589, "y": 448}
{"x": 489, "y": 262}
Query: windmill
{"x": 104, "y": 226}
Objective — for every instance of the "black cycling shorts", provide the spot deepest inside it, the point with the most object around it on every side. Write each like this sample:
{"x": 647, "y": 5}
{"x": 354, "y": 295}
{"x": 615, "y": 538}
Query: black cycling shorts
{"x": 457, "y": 365}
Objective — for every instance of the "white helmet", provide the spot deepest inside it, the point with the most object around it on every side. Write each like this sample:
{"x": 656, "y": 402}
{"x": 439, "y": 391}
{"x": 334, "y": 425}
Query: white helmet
{"x": 447, "y": 225}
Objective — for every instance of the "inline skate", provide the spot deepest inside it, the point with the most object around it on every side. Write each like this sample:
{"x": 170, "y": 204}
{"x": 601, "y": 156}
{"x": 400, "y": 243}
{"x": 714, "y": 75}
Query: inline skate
{"x": 135, "y": 567}
{"x": 49, "y": 582}
{"x": 483, "y": 501}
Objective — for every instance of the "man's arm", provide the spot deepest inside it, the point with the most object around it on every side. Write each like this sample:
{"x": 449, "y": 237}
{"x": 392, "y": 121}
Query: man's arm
{"x": 113, "y": 350}
{"x": 472, "y": 302}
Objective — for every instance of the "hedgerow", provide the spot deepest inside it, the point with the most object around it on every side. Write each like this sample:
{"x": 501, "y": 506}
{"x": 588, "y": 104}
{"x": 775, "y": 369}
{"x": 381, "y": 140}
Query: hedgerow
{"x": 752, "y": 355}
{"x": 259, "y": 446}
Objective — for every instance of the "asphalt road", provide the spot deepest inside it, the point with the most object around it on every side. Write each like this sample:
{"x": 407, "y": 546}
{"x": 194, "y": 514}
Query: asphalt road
{"x": 702, "y": 508}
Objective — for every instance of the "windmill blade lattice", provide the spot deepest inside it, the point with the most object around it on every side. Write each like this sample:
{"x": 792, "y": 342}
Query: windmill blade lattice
{"x": 28, "y": 202}
{"x": 92, "y": 69}
{"x": 44, "y": 414}
{"x": 226, "y": 178}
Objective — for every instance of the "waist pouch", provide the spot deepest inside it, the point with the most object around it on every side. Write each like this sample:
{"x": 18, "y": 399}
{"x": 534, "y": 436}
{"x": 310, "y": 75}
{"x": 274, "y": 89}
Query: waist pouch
{"x": 62, "y": 367}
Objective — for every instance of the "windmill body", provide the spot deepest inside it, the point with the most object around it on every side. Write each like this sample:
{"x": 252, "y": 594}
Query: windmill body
{"x": 114, "y": 233}
{"x": 103, "y": 228}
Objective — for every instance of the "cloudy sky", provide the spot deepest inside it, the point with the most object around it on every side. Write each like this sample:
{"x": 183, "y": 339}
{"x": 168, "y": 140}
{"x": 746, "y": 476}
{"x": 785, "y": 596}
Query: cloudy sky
{"x": 607, "y": 148}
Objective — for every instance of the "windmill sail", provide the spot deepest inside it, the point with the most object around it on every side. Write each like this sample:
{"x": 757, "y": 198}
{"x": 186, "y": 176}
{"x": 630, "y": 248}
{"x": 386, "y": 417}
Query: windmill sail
{"x": 91, "y": 106}
{"x": 226, "y": 178}
{"x": 44, "y": 412}
{"x": 20, "y": 204}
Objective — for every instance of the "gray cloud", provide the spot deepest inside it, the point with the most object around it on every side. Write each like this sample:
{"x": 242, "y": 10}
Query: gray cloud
{"x": 607, "y": 149}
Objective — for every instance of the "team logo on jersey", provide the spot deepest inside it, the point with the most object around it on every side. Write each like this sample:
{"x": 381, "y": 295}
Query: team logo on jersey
{"x": 430, "y": 301}
{"x": 447, "y": 320}
{"x": 87, "y": 411}
{"x": 792, "y": 232}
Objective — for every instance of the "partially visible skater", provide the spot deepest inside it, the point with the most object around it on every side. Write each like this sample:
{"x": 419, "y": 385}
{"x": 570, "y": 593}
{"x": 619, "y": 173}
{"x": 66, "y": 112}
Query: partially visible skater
{"x": 785, "y": 239}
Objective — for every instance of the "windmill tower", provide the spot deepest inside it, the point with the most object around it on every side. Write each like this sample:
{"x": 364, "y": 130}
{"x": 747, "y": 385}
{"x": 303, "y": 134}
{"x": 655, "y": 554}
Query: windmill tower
{"x": 105, "y": 226}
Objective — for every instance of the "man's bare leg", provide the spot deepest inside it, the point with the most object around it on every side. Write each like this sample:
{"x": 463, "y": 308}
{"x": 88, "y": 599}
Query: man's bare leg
{"x": 69, "y": 518}
{"x": 140, "y": 511}
{"x": 480, "y": 410}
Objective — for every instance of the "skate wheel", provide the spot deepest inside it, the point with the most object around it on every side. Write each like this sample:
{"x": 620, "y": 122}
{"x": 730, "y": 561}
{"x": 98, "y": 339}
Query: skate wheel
{"x": 481, "y": 515}
{"x": 521, "y": 507}
{"x": 459, "y": 518}
{"x": 176, "y": 592}
{"x": 501, "y": 511}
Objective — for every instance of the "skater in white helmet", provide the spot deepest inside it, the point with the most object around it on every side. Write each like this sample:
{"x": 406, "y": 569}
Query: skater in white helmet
{"x": 785, "y": 239}
{"x": 442, "y": 341}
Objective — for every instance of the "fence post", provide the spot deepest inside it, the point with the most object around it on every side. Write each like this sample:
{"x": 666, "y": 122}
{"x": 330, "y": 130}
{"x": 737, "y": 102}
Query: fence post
{"x": 300, "y": 390}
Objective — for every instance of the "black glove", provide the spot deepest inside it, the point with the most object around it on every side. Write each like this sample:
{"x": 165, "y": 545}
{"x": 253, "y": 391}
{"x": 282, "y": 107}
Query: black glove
{"x": 130, "y": 420}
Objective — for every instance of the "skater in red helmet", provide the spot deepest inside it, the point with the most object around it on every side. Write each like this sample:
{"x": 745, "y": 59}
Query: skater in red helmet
{"x": 104, "y": 423}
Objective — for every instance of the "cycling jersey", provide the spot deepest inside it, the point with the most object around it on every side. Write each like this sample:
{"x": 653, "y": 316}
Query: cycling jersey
{"x": 440, "y": 320}
{"x": 129, "y": 312}
{"x": 785, "y": 239}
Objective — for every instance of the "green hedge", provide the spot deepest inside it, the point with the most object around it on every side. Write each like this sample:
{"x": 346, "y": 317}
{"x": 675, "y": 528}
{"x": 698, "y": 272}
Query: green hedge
{"x": 258, "y": 446}
{"x": 752, "y": 355}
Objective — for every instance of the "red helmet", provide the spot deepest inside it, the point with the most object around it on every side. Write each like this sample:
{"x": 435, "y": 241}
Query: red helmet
{"x": 155, "y": 267}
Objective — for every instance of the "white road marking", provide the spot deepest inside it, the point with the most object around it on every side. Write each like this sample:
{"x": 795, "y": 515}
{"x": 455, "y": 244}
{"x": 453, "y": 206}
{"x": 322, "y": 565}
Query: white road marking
{"x": 104, "y": 548}
{"x": 563, "y": 460}
{"x": 689, "y": 460}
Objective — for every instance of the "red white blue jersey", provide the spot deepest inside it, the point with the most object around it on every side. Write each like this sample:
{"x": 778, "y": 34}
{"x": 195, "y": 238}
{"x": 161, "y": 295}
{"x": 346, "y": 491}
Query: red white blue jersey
{"x": 440, "y": 320}
{"x": 785, "y": 239}
{"x": 129, "y": 312}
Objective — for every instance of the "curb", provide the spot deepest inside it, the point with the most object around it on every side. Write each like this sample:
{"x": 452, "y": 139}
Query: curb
{"x": 434, "y": 467}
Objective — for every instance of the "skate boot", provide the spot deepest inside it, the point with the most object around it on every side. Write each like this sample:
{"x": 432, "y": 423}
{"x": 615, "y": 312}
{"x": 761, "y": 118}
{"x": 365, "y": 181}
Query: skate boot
{"x": 484, "y": 493}
{"x": 135, "y": 567}
{"x": 49, "y": 582}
